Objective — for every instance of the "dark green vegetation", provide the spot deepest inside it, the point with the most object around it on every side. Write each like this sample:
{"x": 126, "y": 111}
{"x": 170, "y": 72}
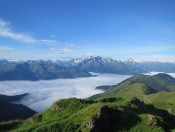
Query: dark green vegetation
{"x": 106, "y": 87}
{"x": 37, "y": 70}
{"x": 9, "y": 110}
{"x": 109, "y": 112}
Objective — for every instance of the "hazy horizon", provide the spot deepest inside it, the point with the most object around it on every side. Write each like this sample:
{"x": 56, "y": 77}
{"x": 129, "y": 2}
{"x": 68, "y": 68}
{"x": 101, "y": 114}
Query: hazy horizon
{"x": 82, "y": 58}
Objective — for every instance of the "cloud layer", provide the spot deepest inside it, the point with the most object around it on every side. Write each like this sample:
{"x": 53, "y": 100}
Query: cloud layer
{"x": 7, "y": 32}
{"x": 44, "y": 93}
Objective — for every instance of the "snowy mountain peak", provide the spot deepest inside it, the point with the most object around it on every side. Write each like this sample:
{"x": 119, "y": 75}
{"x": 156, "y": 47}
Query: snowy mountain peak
{"x": 108, "y": 59}
{"x": 130, "y": 60}
{"x": 77, "y": 61}
{"x": 90, "y": 57}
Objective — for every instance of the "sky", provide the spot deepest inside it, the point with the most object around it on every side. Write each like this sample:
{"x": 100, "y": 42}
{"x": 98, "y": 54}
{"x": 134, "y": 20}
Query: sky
{"x": 67, "y": 29}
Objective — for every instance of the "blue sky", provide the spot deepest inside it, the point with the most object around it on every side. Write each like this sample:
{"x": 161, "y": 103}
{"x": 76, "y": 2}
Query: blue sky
{"x": 66, "y": 29}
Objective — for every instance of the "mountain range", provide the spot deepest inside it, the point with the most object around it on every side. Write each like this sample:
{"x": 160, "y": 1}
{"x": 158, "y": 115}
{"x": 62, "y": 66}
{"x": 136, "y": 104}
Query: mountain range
{"x": 37, "y": 70}
{"x": 109, "y": 65}
{"x": 140, "y": 103}
{"x": 53, "y": 69}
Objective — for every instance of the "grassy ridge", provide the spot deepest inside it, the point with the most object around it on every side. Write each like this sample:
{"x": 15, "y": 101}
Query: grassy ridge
{"x": 107, "y": 114}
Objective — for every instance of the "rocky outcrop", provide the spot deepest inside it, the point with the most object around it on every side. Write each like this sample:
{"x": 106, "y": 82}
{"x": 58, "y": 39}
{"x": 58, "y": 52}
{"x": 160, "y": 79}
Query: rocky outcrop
{"x": 154, "y": 120}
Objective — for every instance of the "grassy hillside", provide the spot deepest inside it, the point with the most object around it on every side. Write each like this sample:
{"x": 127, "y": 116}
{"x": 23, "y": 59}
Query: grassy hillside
{"x": 127, "y": 89}
{"x": 169, "y": 97}
{"x": 141, "y": 85}
{"x": 107, "y": 114}
{"x": 156, "y": 90}
{"x": 159, "y": 82}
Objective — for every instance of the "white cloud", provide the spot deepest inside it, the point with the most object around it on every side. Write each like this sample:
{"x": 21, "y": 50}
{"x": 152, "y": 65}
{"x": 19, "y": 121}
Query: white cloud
{"x": 44, "y": 93}
{"x": 7, "y": 32}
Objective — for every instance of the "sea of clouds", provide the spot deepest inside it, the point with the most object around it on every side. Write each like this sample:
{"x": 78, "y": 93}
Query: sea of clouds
{"x": 43, "y": 93}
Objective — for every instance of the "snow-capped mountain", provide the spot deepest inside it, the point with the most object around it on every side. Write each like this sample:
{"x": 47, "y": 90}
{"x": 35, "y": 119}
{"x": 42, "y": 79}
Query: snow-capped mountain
{"x": 130, "y": 66}
{"x": 106, "y": 65}
{"x": 92, "y": 59}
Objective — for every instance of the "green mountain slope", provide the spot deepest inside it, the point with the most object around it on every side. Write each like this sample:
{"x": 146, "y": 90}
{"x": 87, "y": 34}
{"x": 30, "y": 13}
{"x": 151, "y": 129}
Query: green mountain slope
{"x": 157, "y": 90}
{"x": 162, "y": 96}
{"x": 159, "y": 82}
{"x": 162, "y": 100}
{"x": 107, "y": 115}
{"x": 141, "y": 85}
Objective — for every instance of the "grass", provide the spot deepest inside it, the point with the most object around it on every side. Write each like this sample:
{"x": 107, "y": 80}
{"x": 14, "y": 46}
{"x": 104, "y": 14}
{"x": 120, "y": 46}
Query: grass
{"x": 105, "y": 114}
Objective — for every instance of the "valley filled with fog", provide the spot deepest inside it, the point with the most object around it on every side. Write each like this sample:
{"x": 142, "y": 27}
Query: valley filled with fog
{"x": 43, "y": 93}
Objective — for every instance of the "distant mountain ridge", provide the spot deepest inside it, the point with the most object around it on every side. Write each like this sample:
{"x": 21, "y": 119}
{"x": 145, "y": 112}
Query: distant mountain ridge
{"x": 53, "y": 69}
{"x": 109, "y": 65}
{"x": 130, "y": 66}
{"x": 37, "y": 70}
